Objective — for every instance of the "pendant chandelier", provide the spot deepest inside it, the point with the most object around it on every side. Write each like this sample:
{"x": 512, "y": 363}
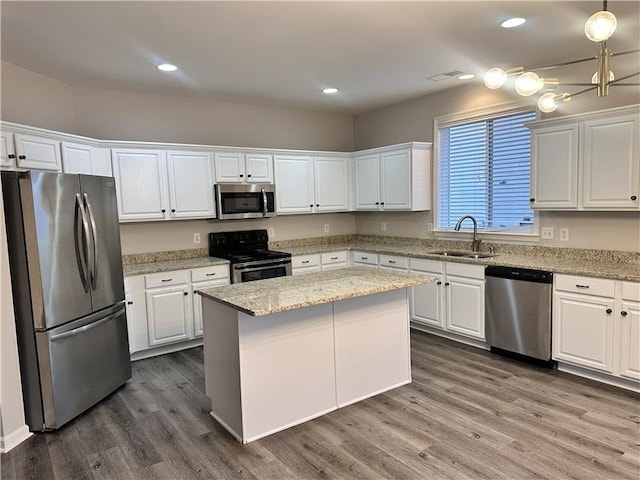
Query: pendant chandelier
{"x": 599, "y": 28}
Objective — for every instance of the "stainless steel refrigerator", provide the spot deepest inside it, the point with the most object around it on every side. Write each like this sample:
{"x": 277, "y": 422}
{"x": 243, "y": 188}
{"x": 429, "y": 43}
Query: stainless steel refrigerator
{"x": 68, "y": 292}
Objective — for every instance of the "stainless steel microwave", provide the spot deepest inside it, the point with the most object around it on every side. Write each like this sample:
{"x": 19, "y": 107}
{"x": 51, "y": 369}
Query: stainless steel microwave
{"x": 238, "y": 201}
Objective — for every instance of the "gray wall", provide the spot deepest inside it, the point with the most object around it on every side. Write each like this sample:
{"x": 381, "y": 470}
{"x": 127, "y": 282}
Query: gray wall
{"x": 413, "y": 120}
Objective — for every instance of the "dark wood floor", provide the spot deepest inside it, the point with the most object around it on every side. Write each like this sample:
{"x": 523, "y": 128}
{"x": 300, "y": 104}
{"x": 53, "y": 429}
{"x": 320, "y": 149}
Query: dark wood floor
{"x": 467, "y": 414}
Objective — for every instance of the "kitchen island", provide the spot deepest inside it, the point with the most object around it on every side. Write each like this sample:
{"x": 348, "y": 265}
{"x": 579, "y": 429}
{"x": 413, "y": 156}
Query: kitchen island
{"x": 282, "y": 351}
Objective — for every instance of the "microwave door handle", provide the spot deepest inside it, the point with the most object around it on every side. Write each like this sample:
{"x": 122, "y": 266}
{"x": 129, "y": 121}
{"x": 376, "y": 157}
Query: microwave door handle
{"x": 264, "y": 202}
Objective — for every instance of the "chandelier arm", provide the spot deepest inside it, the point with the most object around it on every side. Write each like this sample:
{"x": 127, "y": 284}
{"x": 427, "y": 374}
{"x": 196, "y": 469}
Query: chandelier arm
{"x": 562, "y": 64}
{"x": 624, "y": 78}
{"x": 571, "y": 95}
{"x": 614, "y": 54}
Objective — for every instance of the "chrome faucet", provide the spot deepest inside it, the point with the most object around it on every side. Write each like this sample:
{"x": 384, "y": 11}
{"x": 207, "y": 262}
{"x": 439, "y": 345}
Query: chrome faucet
{"x": 475, "y": 244}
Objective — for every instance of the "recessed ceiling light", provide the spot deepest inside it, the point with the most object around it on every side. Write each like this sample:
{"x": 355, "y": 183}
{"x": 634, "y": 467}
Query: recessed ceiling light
{"x": 330, "y": 91}
{"x": 167, "y": 67}
{"x": 513, "y": 22}
{"x": 466, "y": 76}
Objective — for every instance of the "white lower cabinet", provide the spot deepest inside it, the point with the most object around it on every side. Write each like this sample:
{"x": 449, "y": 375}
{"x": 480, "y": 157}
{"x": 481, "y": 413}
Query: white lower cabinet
{"x": 169, "y": 307}
{"x": 316, "y": 262}
{"x": 596, "y": 324}
{"x": 334, "y": 260}
{"x": 365, "y": 259}
{"x": 454, "y": 302}
{"x": 164, "y": 310}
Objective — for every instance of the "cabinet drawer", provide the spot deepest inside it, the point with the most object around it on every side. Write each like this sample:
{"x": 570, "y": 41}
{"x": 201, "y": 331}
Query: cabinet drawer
{"x": 368, "y": 258}
{"x": 210, "y": 273}
{"x": 393, "y": 261}
{"x": 631, "y": 291}
{"x": 301, "y": 261}
{"x": 166, "y": 279}
{"x": 587, "y": 285}
{"x": 334, "y": 257}
{"x": 431, "y": 266}
{"x": 465, "y": 270}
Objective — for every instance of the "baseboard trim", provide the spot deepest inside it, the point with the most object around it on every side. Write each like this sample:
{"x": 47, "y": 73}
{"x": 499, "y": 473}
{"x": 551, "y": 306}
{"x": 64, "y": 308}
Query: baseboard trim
{"x": 14, "y": 439}
{"x": 599, "y": 377}
{"x": 164, "y": 349}
{"x": 450, "y": 335}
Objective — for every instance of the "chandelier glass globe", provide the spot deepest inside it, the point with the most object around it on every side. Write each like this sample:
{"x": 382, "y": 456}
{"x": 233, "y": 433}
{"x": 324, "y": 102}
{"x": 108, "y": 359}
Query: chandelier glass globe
{"x": 528, "y": 83}
{"x": 600, "y": 26}
{"x": 495, "y": 78}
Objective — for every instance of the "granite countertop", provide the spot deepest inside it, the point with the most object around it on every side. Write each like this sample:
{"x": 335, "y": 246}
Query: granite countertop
{"x": 288, "y": 293}
{"x": 585, "y": 266}
{"x": 170, "y": 265}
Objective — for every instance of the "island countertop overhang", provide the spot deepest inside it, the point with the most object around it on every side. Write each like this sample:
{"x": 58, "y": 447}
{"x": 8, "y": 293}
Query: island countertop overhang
{"x": 289, "y": 293}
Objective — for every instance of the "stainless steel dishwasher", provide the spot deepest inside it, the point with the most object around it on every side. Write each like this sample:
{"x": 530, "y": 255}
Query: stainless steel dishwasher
{"x": 518, "y": 313}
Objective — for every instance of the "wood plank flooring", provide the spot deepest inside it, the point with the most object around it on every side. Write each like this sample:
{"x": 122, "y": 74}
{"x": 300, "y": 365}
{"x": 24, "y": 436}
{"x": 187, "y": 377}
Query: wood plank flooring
{"x": 468, "y": 414}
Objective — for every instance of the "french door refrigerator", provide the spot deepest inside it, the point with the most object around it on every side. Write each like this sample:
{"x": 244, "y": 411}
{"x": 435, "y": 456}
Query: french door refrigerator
{"x": 68, "y": 292}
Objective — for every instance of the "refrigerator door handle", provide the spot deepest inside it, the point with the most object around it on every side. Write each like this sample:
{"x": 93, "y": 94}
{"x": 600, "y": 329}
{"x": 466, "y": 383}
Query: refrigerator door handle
{"x": 79, "y": 330}
{"x": 94, "y": 244}
{"x": 81, "y": 240}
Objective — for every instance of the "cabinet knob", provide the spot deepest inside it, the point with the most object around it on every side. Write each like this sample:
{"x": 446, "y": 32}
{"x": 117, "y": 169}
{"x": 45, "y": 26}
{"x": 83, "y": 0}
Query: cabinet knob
{"x": 633, "y": 197}
{"x": 22, "y": 157}
{"x": 311, "y": 205}
{"x": 438, "y": 282}
{"x": 381, "y": 203}
{"x": 446, "y": 284}
{"x": 173, "y": 210}
{"x": 186, "y": 293}
{"x": 317, "y": 204}
{"x": 247, "y": 175}
{"x": 241, "y": 175}
{"x": 163, "y": 210}
{"x": 608, "y": 310}
{"x": 377, "y": 203}
{"x": 623, "y": 313}
{"x": 532, "y": 200}
{"x": 11, "y": 155}
{"x": 129, "y": 302}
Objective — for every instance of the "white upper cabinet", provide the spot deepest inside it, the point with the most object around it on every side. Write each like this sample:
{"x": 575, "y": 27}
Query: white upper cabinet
{"x": 190, "y": 185}
{"x": 159, "y": 185}
{"x": 587, "y": 161}
{"x": 393, "y": 178}
{"x": 38, "y": 152}
{"x": 306, "y": 184}
{"x": 7, "y": 150}
{"x": 235, "y": 167}
{"x": 141, "y": 184}
{"x": 86, "y": 159}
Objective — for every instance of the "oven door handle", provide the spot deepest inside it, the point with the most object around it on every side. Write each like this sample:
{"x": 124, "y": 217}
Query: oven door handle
{"x": 263, "y": 266}
{"x": 264, "y": 202}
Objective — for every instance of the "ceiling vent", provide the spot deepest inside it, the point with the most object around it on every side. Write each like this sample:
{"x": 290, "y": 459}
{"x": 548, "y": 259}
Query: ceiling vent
{"x": 444, "y": 76}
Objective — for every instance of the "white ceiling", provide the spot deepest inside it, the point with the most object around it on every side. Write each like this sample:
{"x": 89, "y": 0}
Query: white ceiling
{"x": 284, "y": 53}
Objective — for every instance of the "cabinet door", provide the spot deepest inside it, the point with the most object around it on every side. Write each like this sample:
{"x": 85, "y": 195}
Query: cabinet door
{"x": 554, "y": 168}
{"x": 141, "y": 184}
{"x": 583, "y": 331}
{"x": 395, "y": 175}
{"x": 294, "y": 184}
{"x": 7, "y": 150}
{"x": 331, "y": 189}
{"x": 611, "y": 163}
{"x": 367, "y": 173}
{"x": 197, "y": 302}
{"x": 427, "y": 302}
{"x": 465, "y": 306}
{"x": 259, "y": 168}
{"x": 85, "y": 159}
{"x": 38, "y": 152}
{"x": 169, "y": 314}
{"x": 229, "y": 167}
{"x": 630, "y": 340}
{"x": 190, "y": 185}
{"x": 136, "y": 313}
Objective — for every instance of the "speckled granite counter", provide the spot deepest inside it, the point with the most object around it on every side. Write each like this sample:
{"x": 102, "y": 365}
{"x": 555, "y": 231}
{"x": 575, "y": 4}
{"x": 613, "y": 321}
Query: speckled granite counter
{"x": 170, "y": 265}
{"x": 288, "y": 293}
{"x": 602, "y": 263}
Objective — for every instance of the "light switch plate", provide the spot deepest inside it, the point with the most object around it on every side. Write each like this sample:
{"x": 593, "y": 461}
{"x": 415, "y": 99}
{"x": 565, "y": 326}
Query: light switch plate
{"x": 547, "y": 233}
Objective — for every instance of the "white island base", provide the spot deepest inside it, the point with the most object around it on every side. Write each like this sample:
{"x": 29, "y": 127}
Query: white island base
{"x": 264, "y": 374}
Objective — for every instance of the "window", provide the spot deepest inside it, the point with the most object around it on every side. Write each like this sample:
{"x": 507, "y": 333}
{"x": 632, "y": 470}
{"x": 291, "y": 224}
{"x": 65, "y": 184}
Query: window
{"x": 484, "y": 171}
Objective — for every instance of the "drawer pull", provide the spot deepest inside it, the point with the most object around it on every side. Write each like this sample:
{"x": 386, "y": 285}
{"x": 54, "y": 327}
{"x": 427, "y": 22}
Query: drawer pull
{"x": 392, "y": 261}
{"x": 334, "y": 258}
{"x": 209, "y": 274}
{"x": 364, "y": 258}
{"x": 167, "y": 279}
{"x": 581, "y": 286}
{"x": 305, "y": 261}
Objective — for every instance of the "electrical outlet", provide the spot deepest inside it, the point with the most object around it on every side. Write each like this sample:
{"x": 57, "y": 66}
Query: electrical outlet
{"x": 383, "y": 226}
{"x": 326, "y": 228}
{"x": 272, "y": 232}
{"x": 564, "y": 234}
{"x": 429, "y": 227}
{"x": 196, "y": 238}
{"x": 547, "y": 233}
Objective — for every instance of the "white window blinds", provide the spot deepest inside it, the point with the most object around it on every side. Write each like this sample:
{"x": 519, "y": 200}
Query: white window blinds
{"x": 484, "y": 171}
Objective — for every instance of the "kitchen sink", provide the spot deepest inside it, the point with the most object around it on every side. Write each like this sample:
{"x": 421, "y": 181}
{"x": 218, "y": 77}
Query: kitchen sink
{"x": 457, "y": 253}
